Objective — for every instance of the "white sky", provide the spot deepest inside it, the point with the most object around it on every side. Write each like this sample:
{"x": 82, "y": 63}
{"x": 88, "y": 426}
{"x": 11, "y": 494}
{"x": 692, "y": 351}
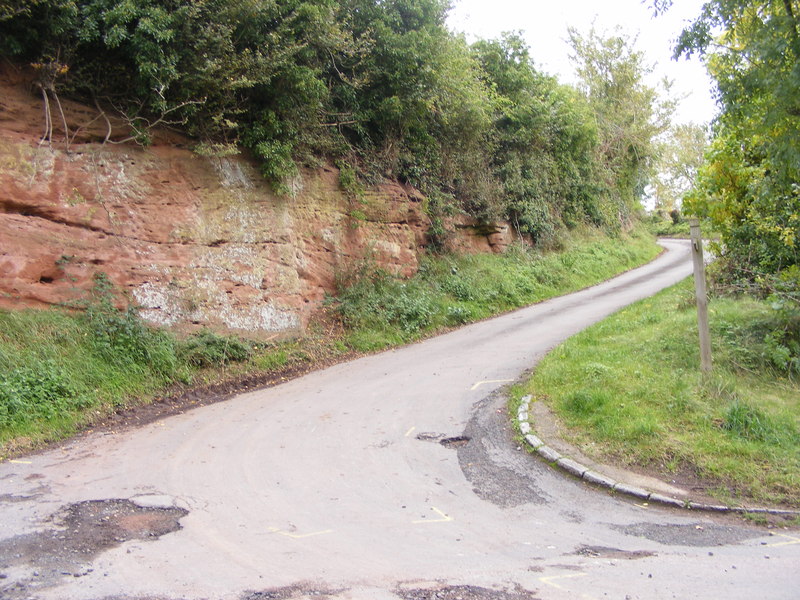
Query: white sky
{"x": 544, "y": 26}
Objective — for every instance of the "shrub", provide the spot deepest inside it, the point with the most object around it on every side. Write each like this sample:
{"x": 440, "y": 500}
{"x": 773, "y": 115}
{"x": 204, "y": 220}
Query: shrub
{"x": 45, "y": 392}
{"x": 121, "y": 336}
{"x": 208, "y": 349}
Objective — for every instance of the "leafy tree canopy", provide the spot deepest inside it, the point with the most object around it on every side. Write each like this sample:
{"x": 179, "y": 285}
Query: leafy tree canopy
{"x": 630, "y": 114}
{"x": 751, "y": 184}
{"x": 379, "y": 85}
{"x": 681, "y": 156}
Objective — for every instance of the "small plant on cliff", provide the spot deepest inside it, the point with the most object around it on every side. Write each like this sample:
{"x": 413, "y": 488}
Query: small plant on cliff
{"x": 348, "y": 181}
{"x": 438, "y": 207}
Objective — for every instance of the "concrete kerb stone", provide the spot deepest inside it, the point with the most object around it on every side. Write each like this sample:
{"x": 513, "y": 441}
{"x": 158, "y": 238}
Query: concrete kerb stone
{"x": 599, "y": 479}
{"x": 547, "y": 453}
{"x": 632, "y": 490}
{"x": 707, "y": 507}
{"x": 571, "y": 466}
{"x": 660, "y": 498}
{"x": 533, "y": 441}
{"x": 765, "y": 511}
{"x": 575, "y": 468}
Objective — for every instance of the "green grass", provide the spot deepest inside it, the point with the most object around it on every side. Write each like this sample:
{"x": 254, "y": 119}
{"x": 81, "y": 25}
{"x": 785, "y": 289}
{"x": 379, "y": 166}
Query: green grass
{"x": 52, "y": 371}
{"x": 664, "y": 227}
{"x": 670, "y": 229}
{"x": 629, "y": 389}
{"x": 62, "y": 370}
{"x": 380, "y": 311}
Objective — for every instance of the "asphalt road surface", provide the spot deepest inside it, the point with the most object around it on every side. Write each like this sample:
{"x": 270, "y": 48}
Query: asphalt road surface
{"x": 336, "y": 485}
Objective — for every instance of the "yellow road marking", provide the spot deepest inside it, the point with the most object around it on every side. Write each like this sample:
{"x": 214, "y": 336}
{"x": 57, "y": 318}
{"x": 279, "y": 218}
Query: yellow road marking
{"x": 480, "y": 383}
{"x": 20, "y": 462}
{"x": 408, "y": 433}
{"x": 444, "y": 518}
{"x": 549, "y": 580}
{"x": 794, "y": 541}
{"x": 298, "y": 536}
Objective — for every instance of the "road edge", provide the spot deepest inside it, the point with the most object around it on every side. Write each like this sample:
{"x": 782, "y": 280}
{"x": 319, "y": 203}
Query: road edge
{"x": 576, "y": 469}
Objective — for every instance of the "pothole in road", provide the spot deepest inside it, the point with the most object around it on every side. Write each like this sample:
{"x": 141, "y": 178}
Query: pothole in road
{"x": 455, "y": 442}
{"x": 604, "y": 552}
{"x": 447, "y": 442}
{"x": 498, "y": 473}
{"x": 464, "y": 592}
{"x": 693, "y": 534}
{"x": 82, "y": 531}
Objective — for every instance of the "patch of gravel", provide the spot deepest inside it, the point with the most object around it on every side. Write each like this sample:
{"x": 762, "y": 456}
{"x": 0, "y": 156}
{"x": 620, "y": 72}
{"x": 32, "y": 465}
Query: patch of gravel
{"x": 615, "y": 553}
{"x": 292, "y": 592}
{"x": 692, "y": 534}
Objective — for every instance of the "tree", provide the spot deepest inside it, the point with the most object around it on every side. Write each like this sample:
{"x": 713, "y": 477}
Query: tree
{"x": 628, "y": 112}
{"x": 543, "y": 142}
{"x": 680, "y": 157}
{"x": 750, "y": 186}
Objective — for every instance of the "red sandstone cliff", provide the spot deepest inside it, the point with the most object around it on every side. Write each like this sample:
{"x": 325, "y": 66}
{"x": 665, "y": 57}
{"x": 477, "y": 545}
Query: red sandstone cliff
{"x": 196, "y": 242}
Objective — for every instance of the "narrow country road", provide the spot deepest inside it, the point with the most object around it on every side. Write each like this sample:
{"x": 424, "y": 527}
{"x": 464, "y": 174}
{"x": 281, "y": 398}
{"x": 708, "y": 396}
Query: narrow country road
{"x": 335, "y": 485}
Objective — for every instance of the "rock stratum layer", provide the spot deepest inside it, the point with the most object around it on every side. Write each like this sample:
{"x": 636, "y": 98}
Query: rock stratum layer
{"x": 194, "y": 241}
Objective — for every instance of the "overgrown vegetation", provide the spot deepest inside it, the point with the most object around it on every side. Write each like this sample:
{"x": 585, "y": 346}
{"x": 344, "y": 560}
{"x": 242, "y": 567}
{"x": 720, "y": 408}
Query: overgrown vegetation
{"x": 380, "y": 310}
{"x": 670, "y": 224}
{"x": 630, "y": 389}
{"x": 381, "y": 87}
{"x": 61, "y": 370}
{"x": 749, "y": 185}
{"x": 673, "y": 224}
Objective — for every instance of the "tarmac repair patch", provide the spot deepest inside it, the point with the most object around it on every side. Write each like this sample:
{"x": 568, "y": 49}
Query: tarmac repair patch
{"x": 80, "y": 532}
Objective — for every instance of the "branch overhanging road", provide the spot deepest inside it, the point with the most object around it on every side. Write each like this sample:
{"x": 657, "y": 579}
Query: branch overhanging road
{"x": 335, "y": 485}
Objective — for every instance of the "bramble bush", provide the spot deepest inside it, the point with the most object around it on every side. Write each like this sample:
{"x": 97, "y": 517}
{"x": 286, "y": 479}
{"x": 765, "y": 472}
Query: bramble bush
{"x": 44, "y": 392}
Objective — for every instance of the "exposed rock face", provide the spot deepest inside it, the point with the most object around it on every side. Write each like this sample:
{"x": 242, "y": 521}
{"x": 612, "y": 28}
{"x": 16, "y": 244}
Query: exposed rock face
{"x": 470, "y": 236}
{"x": 197, "y": 242}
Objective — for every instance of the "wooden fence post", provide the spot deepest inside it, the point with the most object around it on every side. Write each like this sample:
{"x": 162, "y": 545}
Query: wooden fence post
{"x": 702, "y": 298}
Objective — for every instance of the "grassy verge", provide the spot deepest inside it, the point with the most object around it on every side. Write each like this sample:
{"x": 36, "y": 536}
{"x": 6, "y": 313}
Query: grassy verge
{"x": 670, "y": 229}
{"x": 61, "y": 371}
{"x": 380, "y": 311}
{"x": 665, "y": 227}
{"x": 629, "y": 389}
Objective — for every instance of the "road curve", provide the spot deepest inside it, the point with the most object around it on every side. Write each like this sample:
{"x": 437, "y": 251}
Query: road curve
{"x": 335, "y": 485}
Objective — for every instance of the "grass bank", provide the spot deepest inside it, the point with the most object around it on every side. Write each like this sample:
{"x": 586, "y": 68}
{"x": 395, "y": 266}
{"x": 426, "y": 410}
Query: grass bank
{"x": 61, "y": 371}
{"x": 663, "y": 226}
{"x": 381, "y": 311}
{"x": 629, "y": 390}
